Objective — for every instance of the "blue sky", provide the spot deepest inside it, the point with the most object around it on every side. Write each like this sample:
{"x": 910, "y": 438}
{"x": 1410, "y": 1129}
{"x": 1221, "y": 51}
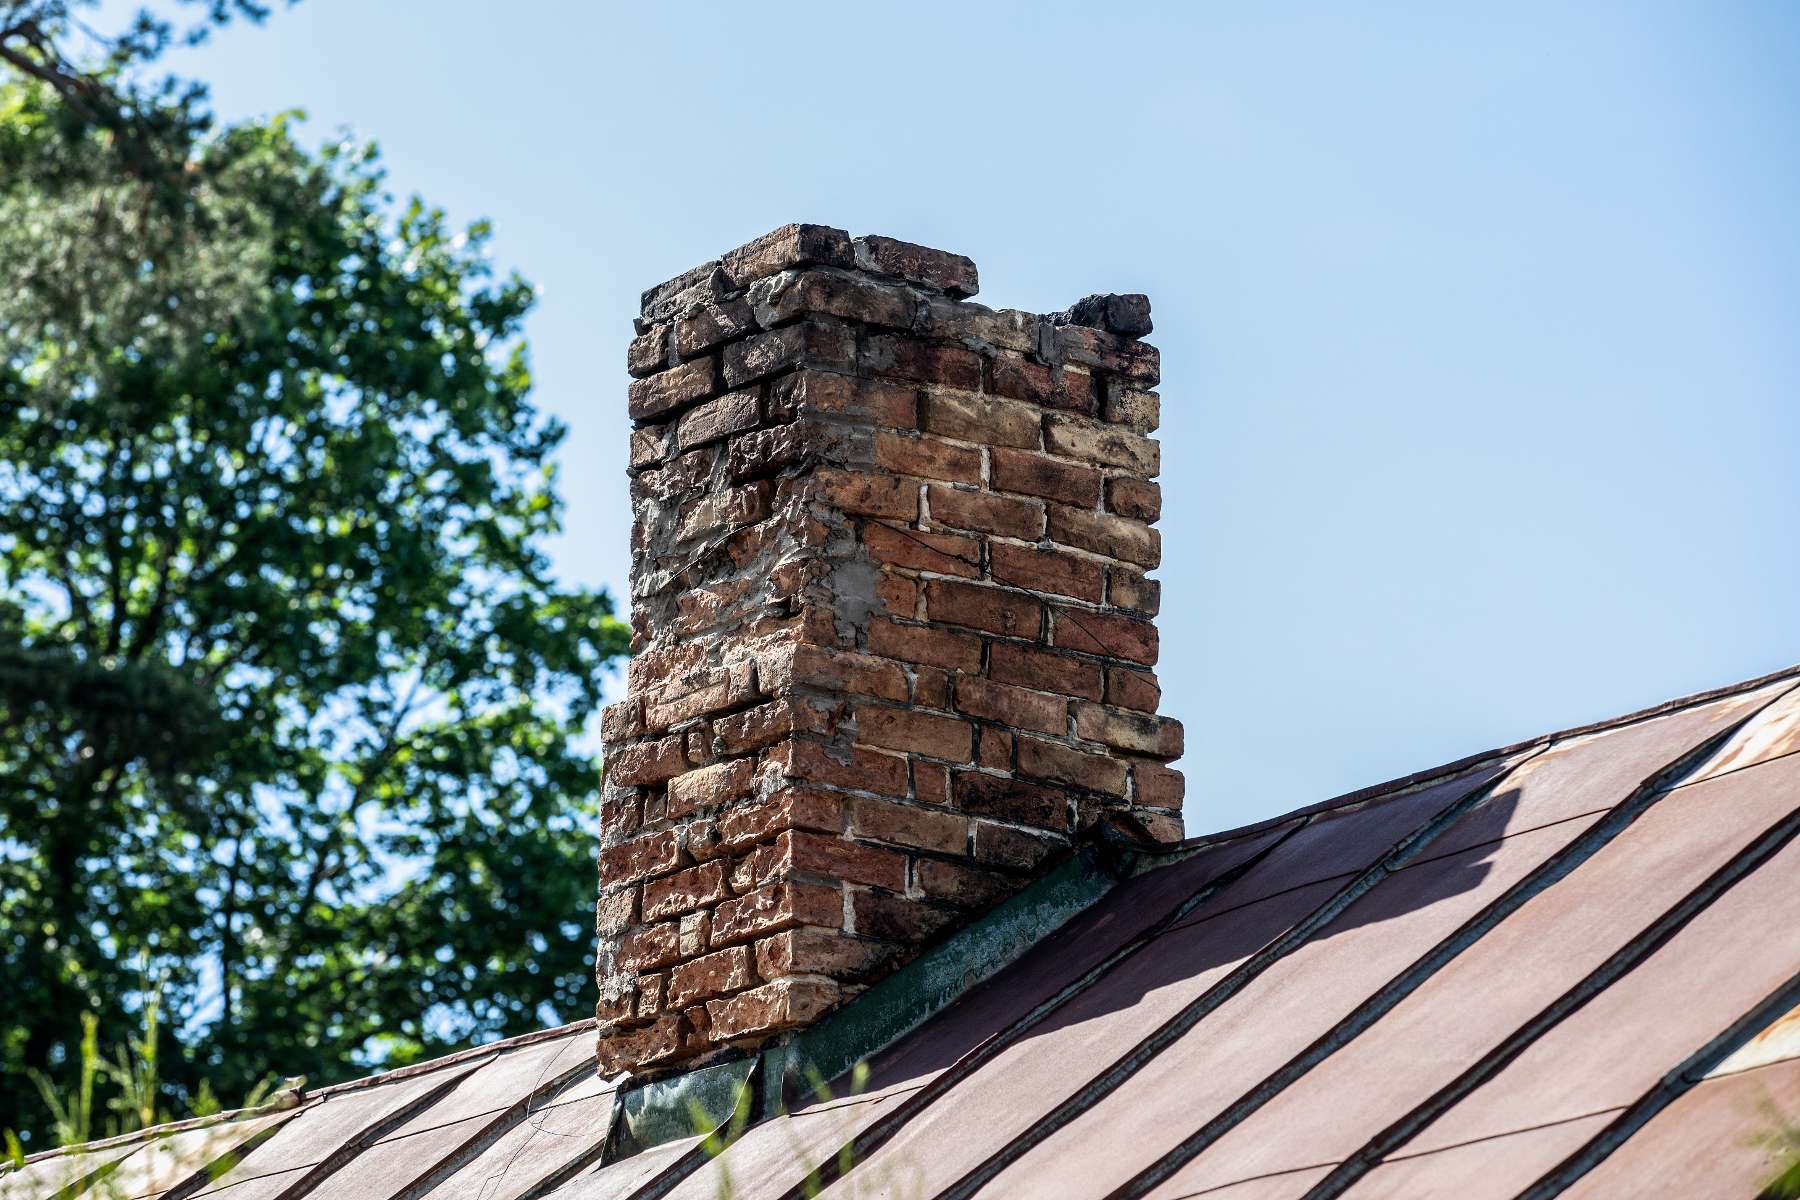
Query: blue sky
{"x": 1481, "y": 332}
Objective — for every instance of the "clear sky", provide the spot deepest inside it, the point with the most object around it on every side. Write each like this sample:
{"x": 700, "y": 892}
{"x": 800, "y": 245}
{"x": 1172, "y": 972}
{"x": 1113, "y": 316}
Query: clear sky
{"x": 1480, "y": 333}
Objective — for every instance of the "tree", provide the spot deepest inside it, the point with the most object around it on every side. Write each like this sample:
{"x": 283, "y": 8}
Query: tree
{"x": 294, "y": 717}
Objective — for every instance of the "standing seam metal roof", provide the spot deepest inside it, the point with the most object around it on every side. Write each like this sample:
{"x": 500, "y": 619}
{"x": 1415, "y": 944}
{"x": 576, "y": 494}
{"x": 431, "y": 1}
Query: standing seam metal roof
{"x": 1571, "y": 967}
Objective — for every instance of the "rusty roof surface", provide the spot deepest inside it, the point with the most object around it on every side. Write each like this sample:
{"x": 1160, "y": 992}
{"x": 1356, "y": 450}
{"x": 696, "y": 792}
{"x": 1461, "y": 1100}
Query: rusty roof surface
{"x": 1571, "y": 967}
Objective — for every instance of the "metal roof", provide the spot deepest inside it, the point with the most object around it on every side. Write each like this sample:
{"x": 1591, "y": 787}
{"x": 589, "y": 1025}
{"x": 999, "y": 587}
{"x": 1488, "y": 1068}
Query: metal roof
{"x": 1571, "y": 967}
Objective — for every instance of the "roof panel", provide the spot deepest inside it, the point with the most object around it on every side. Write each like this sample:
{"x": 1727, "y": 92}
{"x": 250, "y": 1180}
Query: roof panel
{"x": 1518, "y": 969}
{"x": 506, "y": 1079}
{"x": 1720, "y": 1139}
{"x": 1279, "y": 1014}
{"x": 1495, "y": 1169}
{"x": 390, "y": 1166}
{"x": 167, "y": 1161}
{"x": 547, "y": 1143}
{"x": 337, "y": 1124}
{"x": 1012, "y": 1093}
{"x": 622, "y": 1180}
{"x": 1736, "y": 951}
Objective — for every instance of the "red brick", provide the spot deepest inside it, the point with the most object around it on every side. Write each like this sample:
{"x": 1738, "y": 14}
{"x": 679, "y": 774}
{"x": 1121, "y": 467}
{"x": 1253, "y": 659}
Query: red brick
{"x": 1103, "y": 533}
{"x": 816, "y": 393}
{"x": 640, "y": 858}
{"x": 649, "y": 947}
{"x": 864, "y": 770}
{"x": 818, "y": 342}
{"x": 668, "y": 390}
{"x": 1017, "y": 848}
{"x": 1064, "y": 764}
{"x": 621, "y": 814}
{"x": 711, "y": 326}
{"x": 1157, "y": 786}
{"x": 621, "y": 1050}
{"x": 783, "y": 249}
{"x": 839, "y": 859}
{"x": 867, "y": 495}
{"x": 649, "y": 446}
{"x": 710, "y": 787}
{"x": 931, "y": 688}
{"x": 1138, "y": 361}
{"x": 936, "y": 269}
{"x": 1047, "y": 571}
{"x": 914, "y": 550}
{"x": 1126, "y": 588}
{"x": 1141, "y": 411}
{"x": 994, "y": 749}
{"x": 1040, "y": 475}
{"x": 1014, "y": 800}
{"x": 647, "y": 762}
{"x": 783, "y": 1004}
{"x": 1126, "y": 688}
{"x": 919, "y": 732}
{"x": 650, "y": 995}
{"x": 773, "y": 907}
{"x": 721, "y": 417}
{"x": 899, "y": 596}
{"x": 789, "y": 808}
{"x": 894, "y": 918}
{"x": 616, "y": 912}
{"x": 1018, "y": 378}
{"x": 696, "y": 933}
{"x": 1012, "y": 705}
{"x": 985, "y": 512}
{"x": 710, "y": 975}
{"x": 930, "y": 457}
{"x": 931, "y": 782}
{"x": 909, "y": 825}
{"x": 1044, "y": 671}
{"x": 852, "y": 674}
{"x": 1111, "y": 634}
{"x": 720, "y": 511}
{"x": 848, "y": 295}
{"x": 648, "y": 352}
{"x": 984, "y": 419}
{"x": 660, "y": 713}
{"x": 767, "y": 451}
{"x": 622, "y": 720}
{"x": 684, "y": 891}
{"x": 814, "y": 951}
{"x": 677, "y": 478}
{"x": 895, "y": 356}
{"x": 1097, "y": 442}
{"x": 984, "y": 608}
{"x": 924, "y": 644}
{"x": 964, "y": 887}
{"x": 1135, "y": 498}
{"x": 1067, "y": 388}
{"x": 766, "y": 724}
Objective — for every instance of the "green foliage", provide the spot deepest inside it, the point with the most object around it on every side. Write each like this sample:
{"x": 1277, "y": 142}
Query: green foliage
{"x": 294, "y": 714}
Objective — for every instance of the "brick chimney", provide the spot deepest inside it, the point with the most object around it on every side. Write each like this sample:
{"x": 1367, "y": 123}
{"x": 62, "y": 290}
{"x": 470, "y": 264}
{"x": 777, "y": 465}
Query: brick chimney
{"x": 894, "y": 635}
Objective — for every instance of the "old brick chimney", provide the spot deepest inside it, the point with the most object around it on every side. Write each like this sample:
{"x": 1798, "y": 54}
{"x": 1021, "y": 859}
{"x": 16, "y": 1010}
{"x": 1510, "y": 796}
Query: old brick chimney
{"x": 893, "y": 627}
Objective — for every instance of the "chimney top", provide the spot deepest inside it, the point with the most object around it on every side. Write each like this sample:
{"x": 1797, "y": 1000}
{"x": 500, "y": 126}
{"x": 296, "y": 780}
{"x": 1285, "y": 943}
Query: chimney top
{"x": 894, "y": 628}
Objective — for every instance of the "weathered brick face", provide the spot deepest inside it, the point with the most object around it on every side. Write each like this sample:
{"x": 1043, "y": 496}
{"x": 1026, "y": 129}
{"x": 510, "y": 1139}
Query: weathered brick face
{"x": 894, "y": 635}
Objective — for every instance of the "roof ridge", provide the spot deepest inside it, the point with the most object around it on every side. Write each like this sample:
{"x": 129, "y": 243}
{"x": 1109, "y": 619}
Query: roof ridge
{"x": 1419, "y": 779}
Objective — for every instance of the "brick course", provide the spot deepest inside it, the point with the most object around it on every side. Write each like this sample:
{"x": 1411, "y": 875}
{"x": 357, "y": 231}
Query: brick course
{"x": 891, "y": 622}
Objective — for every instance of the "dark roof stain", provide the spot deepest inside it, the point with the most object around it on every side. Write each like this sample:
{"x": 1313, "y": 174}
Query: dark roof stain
{"x": 1568, "y": 967}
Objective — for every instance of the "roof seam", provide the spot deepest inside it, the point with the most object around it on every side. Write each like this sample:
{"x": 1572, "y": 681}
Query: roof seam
{"x": 1227, "y": 987}
{"x": 1654, "y": 789}
{"x": 1674, "y": 1084}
